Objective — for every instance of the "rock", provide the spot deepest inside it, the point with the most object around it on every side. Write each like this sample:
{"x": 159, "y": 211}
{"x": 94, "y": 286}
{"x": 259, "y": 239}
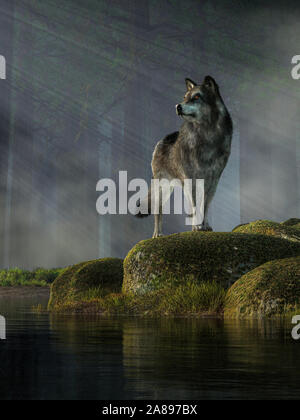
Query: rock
{"x": 296, "y": 226}
{"x": 199, "y": 256}
{"x": 291, "y": 222}
{"x": 269, "y": 290}
{"x": 266, "y": 227}
{"x": 104, "y": 275}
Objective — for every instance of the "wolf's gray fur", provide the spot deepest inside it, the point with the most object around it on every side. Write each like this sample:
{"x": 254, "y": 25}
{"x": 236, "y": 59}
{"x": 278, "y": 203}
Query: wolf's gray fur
{"x": 201, "y": 148}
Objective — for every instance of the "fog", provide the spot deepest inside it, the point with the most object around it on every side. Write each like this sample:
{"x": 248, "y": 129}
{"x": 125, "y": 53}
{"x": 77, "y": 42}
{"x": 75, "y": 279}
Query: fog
{"x": 91, "y": 87}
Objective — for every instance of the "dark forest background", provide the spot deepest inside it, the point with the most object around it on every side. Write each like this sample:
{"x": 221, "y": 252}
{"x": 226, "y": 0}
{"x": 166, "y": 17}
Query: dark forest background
{"x": 92, "y": 86}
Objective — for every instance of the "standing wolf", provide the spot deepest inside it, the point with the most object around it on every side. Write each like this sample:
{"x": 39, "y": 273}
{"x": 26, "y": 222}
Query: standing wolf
{"x": 200, "y": 150}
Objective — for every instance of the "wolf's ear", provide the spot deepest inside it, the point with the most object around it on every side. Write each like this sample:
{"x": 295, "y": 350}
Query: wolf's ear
{"x": 210, "y": 83}
{"x": 190, "y": 84}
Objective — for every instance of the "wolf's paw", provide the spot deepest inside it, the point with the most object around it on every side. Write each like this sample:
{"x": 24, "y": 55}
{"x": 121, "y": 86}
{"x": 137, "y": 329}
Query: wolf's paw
{"x": 157, "y": 235}
{"x": 202, "y": 228}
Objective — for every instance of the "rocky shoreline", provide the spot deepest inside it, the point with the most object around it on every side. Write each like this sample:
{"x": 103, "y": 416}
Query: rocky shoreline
{"x": 245, "y": 273}
{"x": 23, "y": 292}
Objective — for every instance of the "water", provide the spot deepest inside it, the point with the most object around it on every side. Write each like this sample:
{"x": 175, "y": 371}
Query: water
{"x": 79, "y": 357}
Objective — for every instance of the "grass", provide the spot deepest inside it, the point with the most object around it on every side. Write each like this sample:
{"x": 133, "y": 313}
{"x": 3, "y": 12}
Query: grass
{"x": 38, "y": 278}
{"x": 191, "y": 299}
{"x": 38, "y": 309}
{"x": 194, "y": 298}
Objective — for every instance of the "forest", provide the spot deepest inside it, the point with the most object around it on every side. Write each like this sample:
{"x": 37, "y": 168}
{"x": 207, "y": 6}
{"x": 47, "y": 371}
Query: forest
{"x": 90, "y": 88}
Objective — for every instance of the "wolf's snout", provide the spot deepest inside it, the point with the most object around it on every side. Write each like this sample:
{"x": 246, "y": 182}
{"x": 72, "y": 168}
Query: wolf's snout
{"x": 179, "y": 109}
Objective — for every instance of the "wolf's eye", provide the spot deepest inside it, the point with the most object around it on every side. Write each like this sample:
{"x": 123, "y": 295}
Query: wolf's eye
{"x": 196, "y": 97}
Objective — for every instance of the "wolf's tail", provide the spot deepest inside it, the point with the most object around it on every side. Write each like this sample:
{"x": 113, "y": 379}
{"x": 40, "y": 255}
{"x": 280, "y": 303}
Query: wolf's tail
{"x": 144, "y": 207}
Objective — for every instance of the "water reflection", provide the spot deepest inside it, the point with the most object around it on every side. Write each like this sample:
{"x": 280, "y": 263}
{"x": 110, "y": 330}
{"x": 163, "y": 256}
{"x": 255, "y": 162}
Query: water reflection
{"x": 86, "y": 357}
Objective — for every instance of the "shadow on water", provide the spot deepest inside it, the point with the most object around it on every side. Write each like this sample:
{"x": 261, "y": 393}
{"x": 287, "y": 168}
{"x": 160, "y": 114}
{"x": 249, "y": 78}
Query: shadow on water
{"x": 79, "y": 357}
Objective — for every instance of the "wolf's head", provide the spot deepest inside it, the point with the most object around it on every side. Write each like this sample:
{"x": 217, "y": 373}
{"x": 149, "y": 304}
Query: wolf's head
{"x": 201, "y": 103}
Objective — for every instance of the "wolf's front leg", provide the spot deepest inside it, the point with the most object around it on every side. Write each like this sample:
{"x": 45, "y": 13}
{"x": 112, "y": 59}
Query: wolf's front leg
{"x": 200, "y": 220}
{"x": 157, "y": 226}
{"x": 160, "y": 198}
{"x": 205, "y": 227}
{"x": 202, "y": 227}
{"x": 208, "y": 196}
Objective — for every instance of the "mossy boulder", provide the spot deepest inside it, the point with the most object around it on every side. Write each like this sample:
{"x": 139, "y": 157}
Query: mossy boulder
{"x": 291, "y": 222}
{"x": 199, "y": 256}
{"x": 267, "y": 227}
{"x": 296, "y": 226}
{"x": 269, "y": 290}
{"x": 104, "y": 275}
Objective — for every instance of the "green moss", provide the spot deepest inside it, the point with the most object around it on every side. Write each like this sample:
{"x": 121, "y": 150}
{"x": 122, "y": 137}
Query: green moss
{"x": 266, "y": 227}
{"x": 60, "y": 289}
{"x": 270, "y": 290}
{"x": 189, "y": 299}
{"x": 291, "y": 222}
{"x": 85, "y": 281}
{"x": 173, "y": 260}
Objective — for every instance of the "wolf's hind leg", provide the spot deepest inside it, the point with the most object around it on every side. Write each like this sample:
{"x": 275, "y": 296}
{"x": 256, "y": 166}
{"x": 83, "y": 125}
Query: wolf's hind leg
{"x": 160, "y": 198}
{"x": 157, "y": 202}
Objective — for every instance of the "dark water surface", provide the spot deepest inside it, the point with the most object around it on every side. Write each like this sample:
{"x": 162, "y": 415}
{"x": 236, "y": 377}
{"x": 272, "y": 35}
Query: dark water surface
{"x": 79, "y": 357}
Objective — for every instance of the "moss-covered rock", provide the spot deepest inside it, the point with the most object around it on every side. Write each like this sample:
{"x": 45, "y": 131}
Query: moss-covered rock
{"x": 266, "y": 227}
{"x": 296, "y": 226}
{"x": 269, "y": 290}
{"x": 291, "y": 222}
{"x": 199, "y": 256}
{"x": 78, "y": 281}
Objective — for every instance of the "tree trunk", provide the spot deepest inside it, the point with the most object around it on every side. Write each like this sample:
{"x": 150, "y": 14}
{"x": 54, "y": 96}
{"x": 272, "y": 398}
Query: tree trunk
{"x": 137, "y": 117}
{"x": 105, "y": 171}
{"x": 255, "y": 172}
{"x": 21, "y": 149}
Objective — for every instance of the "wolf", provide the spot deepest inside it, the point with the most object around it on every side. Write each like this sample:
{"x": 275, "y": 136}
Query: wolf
{"x": 199, "y": 150}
